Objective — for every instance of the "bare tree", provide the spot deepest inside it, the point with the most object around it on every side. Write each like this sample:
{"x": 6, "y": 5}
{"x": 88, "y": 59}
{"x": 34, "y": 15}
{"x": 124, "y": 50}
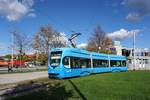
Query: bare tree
{"x": 98, "y": 40}
{"x": 21, "y": 42}
{"x": 47, "y": 38}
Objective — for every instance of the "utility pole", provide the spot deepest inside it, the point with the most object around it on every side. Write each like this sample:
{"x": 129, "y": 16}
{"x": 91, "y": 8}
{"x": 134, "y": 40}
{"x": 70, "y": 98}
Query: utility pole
{"x": 134, "y": 60}
{"x": 12, "y": 52}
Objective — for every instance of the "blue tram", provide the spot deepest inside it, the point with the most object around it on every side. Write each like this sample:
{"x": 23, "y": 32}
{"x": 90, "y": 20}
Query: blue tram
{"x": 72, "y": 62}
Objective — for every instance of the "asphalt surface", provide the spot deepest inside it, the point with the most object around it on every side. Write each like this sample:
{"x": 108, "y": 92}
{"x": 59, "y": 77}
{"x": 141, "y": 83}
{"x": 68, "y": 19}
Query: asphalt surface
{"x": 18, "y": 77}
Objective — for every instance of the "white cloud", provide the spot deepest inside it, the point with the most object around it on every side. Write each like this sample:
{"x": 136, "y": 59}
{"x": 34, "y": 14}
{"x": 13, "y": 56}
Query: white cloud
{"x": 82, "y": 45}
{"x": 14, "y": 10}
{"x": 32, "y": 15}
{"x": 133, "y": 17}
{"x": 137, "y": 9}
{"x": 122, "y": 34}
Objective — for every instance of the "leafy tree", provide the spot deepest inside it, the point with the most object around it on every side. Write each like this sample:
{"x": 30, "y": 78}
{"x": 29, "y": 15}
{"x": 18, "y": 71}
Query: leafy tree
{"x": 42, "y": 58}
{"x": 8, "y": 56}
{"x": 23, "y": 57}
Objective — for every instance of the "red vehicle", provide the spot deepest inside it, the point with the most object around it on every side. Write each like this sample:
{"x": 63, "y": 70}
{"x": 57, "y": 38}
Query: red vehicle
{"x": 17, "y": 63}
{"x": 3, "y": 63}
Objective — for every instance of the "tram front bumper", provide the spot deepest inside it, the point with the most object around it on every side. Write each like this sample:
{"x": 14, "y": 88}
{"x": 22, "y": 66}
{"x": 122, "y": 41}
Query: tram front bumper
{"x": 53, "y": 75}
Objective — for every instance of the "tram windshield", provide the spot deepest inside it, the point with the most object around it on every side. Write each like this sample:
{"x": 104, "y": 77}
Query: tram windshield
{"x": 55, "y": 58}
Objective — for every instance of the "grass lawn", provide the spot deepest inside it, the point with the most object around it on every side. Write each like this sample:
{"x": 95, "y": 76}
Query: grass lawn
{"x": 133, "y": 85}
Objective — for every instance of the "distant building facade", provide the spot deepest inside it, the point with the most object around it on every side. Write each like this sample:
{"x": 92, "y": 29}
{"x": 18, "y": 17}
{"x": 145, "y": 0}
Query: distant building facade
{"x": 141, "y": 60}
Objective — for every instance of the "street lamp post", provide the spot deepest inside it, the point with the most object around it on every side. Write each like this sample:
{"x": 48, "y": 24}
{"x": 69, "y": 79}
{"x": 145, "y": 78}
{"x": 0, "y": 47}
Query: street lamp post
{"x": 99, "y": 48}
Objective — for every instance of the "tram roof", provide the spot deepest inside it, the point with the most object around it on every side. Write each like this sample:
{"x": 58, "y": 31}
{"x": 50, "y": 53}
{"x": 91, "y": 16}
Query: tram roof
{"x": 88, "y": 52}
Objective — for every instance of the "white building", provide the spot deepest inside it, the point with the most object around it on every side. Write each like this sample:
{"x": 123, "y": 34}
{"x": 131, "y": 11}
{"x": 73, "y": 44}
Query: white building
{"x": 118, "y": 47}
{"x": 141, "y": 60}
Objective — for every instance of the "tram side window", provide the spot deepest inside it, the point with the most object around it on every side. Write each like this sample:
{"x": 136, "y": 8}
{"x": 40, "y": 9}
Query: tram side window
{"x": 85, "y": 63}
{"x": 77, "y": 62}
{"x": 100, "y": 63}
{"x": 66, "y": 62}
{"x": 119, "y": 63}
{"x": 112, "y": 63}
{"x": 124, "y": 63}
{"x": 95, "y": 63}
{"x": 104, "y": 63}
{"x": 115, "y": 63}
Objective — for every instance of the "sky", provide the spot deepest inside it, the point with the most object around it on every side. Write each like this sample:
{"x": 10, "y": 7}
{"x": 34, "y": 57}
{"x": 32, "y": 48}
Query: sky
{"x": 120, "y": 19}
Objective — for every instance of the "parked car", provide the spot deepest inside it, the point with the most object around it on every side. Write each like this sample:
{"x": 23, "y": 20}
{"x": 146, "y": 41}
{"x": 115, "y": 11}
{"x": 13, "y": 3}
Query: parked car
{"x": 29, "y": 64}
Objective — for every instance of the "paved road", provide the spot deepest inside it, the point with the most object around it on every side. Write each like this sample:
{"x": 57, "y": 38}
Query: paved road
{"x": 4, "y": 70}
{"x": 17, "y": 77}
